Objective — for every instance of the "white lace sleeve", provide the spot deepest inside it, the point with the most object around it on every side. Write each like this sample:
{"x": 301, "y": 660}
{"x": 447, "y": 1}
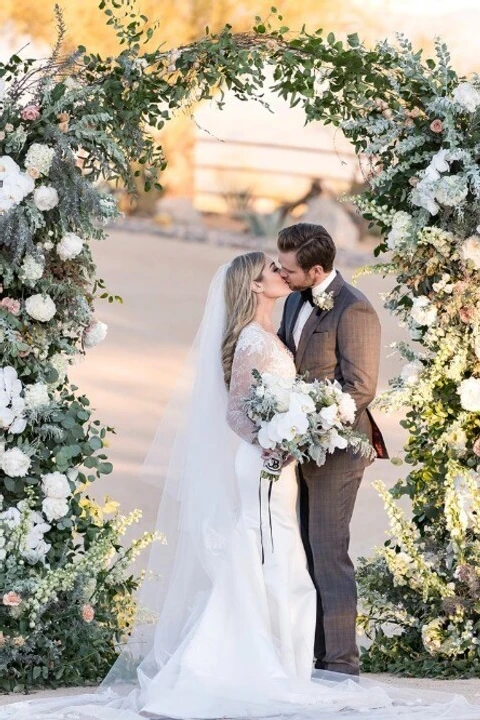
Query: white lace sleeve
{"x": 253, "y": 351}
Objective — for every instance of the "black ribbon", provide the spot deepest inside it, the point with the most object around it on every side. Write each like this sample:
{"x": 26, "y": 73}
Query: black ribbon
{"x": 270, "y": 488}
{"x": 307, "y": 296}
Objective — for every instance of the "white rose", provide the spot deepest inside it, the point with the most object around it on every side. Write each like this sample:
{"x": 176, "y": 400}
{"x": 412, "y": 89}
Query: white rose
{"x": 40, "y": 307}
{"x": 36, "y": 396}
{"x": 39, "y": 157}
{"x": 56, "y": 485}
{"x": 15, "y": 186}
{"x": 45, "y": 198}
{"x": 467, "y": 96}
{"x": 69, "y": 246}
{"x": 95, "y": 333}
{"x": 423, "y": 312}
{"x": 8, "y": 166}
{"x": 15, "y": 463}
{"x": 411, "y": 372}
{"x": 54, "y": 508}
{"x": 347, "y": 408}
{"x": 401, "y": 227}
{"x": 470, "y": 250}
{"x": 469, "y": 391}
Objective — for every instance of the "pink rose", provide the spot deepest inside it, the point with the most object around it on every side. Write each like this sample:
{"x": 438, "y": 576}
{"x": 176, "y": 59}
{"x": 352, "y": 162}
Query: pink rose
{"x": 413, "y": 181}
{"x": 31, "y": 112}
{"x": 88, "y": 613}
{"x": 12, "y": 599}
{"x": 476, "y": 447}
{"x": 11, "y": 305}
{"x": 436, "y": 126}
{"x": 466, "y": 314}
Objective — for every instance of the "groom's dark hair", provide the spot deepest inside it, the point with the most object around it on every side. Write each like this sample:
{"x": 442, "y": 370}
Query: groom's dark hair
{"x": 312, "y": 243}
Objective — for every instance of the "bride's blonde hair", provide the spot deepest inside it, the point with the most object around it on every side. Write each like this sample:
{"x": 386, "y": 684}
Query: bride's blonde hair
{"x": 240, "y": 302}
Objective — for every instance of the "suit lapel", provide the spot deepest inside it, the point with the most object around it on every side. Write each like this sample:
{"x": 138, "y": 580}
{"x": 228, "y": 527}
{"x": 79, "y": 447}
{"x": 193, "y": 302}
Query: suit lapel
{"x": 296, "y": 307}
{"x": 315, "y": 319}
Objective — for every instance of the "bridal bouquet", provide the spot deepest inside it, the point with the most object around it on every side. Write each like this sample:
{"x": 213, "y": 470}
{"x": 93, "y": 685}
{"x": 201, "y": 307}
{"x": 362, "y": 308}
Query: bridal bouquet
{"x": 302, "y": 420}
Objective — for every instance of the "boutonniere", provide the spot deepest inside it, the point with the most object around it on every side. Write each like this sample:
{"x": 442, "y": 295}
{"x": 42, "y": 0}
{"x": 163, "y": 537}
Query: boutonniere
{"x": 323, "y": 300}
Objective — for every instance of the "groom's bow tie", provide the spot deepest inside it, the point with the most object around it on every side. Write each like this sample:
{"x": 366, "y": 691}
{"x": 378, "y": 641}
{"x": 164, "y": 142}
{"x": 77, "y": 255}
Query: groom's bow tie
{"x": 307, "y": 296}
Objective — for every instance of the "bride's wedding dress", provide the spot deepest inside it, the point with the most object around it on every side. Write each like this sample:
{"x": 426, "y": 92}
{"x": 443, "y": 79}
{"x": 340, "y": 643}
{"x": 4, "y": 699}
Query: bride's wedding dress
{"x": 235, "y": 634}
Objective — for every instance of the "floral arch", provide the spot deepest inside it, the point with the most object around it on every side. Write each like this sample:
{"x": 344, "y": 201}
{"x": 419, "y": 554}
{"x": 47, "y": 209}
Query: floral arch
{"x": 70, "y": 121}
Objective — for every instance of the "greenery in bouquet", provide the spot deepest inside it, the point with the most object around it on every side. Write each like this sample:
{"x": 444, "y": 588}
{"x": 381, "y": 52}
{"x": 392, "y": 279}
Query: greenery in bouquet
{"x": 303, "y": 420}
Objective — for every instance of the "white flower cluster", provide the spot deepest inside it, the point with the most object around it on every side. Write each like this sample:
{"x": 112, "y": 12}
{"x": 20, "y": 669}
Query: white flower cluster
{"x": 36, "y": 396}
{"x": 12, "y": 405}
{"x": 470, "y": 251}
{"x": 46, "y": 198}
{"x": 402, "y": 226}
{"x": 95, "y": 333}
{"x": 469, "y": 391}
{"x": 40, "y": 307}
{"x": 423, "y": 311}
{"x": 434, "y": 188}
{"x": 56, "y": 488}
{"x": 467, "y": 97}
{"x": 39, "y": 159}
{"x": 411, "y": 372}
{"x": 16, "y": 185}
{"x": 32, "y": 526}
{"x": 69, "y": 246}
{"x": 14, "y": 462}
{"x": 31, "y": 270}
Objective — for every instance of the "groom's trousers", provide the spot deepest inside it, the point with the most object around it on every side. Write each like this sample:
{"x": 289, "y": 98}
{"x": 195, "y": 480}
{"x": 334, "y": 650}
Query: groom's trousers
{"x": 327, "y": 499}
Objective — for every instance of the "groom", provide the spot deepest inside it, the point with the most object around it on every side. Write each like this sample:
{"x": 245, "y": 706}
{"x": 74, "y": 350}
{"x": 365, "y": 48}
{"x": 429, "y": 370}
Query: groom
{"x": 333, "y": 332}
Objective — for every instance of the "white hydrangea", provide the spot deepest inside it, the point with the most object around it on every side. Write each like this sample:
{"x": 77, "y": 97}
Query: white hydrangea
{"x": 469, "y": 391}
{"x": 401, "y": 228}
{"x": 12, "y": 405}
{"x": 31, "y": 270}
{"x": 470, "y": 251}
{"x": 69, "y": 246}
{"x": 40, "y": 307}
{"x": 423, "y": 195}
{"x": 411, "y": 372}
{"x": 423, "y": 312}
{"x": 451, "y": 190}
{"x": 467, "y": 96}
{"x": 39, "y": 157}
{"x": 16, "y": 185}
{"x": 54, "y": 508}
{"x": 45, "y": 198}
{"x": 55, "y": 485}
{"x": 15, "y": 463}
{"x": 95, "y": 333}
{"x": 36, "y": 396}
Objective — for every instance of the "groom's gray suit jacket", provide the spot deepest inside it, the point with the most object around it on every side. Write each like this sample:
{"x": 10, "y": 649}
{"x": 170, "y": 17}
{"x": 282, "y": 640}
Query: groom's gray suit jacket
{"x": 340, "y": 344}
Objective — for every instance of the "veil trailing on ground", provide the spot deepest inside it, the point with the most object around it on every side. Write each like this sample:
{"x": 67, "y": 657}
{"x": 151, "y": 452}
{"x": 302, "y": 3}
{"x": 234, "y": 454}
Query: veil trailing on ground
{"x": 191, "y": 462}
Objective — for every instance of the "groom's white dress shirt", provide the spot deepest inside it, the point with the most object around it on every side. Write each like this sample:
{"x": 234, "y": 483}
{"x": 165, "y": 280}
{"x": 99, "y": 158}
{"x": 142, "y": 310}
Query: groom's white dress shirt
{"x": 307, "y": 309}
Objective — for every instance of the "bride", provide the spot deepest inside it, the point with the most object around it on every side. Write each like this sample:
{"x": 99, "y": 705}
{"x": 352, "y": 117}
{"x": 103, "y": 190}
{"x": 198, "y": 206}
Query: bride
{"x": 232, "y": 598}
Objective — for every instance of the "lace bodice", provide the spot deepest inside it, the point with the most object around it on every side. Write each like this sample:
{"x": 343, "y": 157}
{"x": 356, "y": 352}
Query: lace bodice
{"x": 260, "y": 350}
